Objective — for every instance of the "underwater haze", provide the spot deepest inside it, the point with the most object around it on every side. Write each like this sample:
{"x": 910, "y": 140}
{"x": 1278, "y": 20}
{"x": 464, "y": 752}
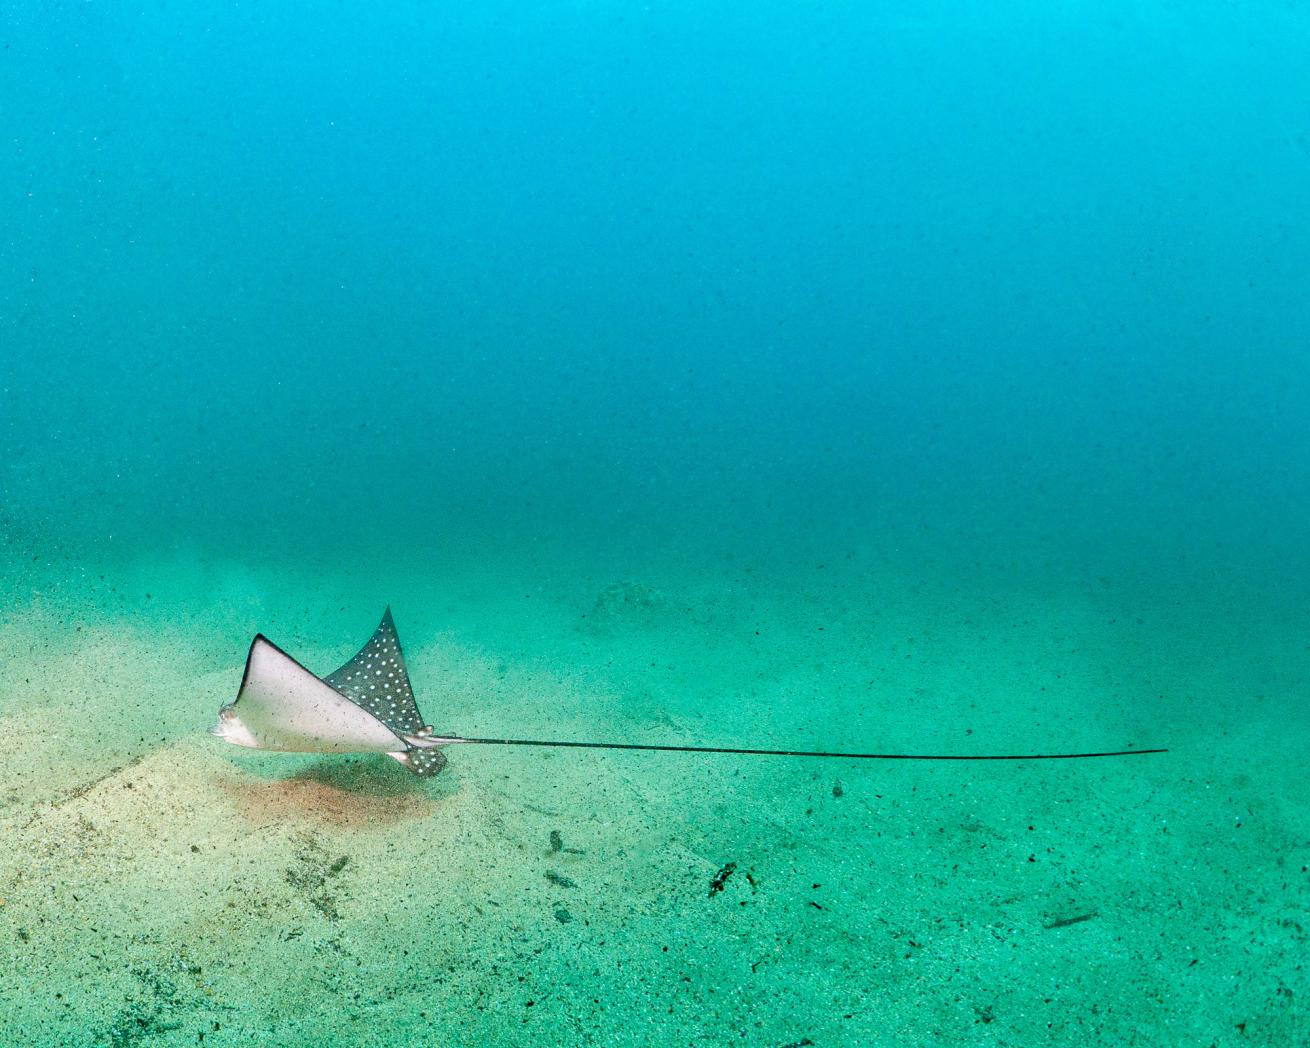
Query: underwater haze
{"x": 895, "y": 377}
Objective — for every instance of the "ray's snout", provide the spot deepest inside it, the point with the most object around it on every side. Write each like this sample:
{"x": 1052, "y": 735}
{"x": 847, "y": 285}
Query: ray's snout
{"x": 229, "y": 726}
{"x": 226, "y": 715}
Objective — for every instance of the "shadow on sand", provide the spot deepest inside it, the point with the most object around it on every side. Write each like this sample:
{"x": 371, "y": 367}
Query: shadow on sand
{"x": 355, "y": 792}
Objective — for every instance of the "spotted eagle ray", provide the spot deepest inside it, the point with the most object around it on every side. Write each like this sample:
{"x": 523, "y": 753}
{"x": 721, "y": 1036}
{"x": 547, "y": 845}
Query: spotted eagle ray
{"x": 367, "y": 706}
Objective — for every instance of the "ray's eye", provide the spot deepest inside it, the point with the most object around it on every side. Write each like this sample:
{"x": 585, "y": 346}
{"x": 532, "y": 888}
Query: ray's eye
{"x": 227, "y": 713}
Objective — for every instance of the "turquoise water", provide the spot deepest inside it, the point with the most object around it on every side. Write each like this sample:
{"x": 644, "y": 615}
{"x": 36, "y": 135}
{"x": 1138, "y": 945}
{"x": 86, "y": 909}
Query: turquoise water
{"x": 924, "y": 378}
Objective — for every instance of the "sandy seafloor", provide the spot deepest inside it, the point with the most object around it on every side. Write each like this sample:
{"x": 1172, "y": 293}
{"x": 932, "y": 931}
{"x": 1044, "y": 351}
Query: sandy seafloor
{"x": 924, "y": 377}
{"x": 162, "y": 888}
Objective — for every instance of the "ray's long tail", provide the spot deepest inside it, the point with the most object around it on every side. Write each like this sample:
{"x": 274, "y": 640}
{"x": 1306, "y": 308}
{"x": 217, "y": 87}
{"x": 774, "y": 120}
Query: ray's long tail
{"x": 429, "y": 741}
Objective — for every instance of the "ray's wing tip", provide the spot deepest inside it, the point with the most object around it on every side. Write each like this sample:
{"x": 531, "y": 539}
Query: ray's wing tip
{"x": 259, "y": 641}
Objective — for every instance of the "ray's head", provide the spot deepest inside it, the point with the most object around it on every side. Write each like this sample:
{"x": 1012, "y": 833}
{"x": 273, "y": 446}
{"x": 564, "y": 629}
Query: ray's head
{"x": 229, "y": 728}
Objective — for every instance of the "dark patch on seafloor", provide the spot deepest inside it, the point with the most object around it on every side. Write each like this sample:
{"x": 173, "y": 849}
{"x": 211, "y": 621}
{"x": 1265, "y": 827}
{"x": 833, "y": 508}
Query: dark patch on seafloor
{"x": 312, "y": 873}
{"x": 721, "y": 878}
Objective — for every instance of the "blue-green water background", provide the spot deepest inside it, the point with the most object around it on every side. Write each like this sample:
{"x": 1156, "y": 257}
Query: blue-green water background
{"x": 917, "y": 377}
{"x": 1025, "y": 284}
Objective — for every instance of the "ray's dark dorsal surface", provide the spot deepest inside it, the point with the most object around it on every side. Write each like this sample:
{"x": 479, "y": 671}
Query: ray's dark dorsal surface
{"x": 377, "y": 680}
{"x": 368, "y": 706}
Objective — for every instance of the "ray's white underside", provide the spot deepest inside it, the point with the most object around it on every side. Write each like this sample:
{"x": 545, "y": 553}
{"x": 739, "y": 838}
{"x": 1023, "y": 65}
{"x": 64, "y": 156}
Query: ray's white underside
{"x": 284, "y": 707}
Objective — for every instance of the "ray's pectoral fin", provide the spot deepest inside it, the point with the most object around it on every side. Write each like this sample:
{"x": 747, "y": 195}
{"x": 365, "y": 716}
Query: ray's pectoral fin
{"x": 283, "y": 706}
{"x": 376, "y": 678}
